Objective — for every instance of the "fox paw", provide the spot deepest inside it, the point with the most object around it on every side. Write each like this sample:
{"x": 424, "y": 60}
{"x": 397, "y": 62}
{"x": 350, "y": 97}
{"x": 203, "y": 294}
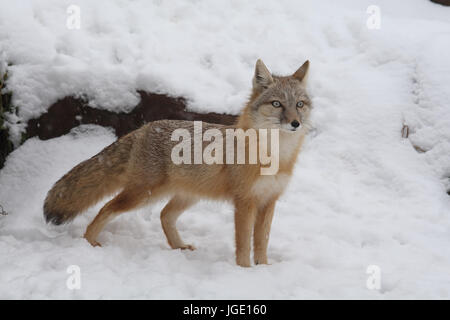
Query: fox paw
{"x": 93, "y": 243}
{"x": 261, "y": 261}
{"x": 245, "y": 263}
{"x": 186, "y": 247}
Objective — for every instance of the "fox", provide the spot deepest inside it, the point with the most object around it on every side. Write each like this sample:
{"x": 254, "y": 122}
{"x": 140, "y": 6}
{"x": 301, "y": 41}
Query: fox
{"x": 137, "y": 170}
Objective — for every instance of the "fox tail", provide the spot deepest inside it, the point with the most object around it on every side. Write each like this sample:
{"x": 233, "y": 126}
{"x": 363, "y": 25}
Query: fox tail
{"x": 88, "y": 182}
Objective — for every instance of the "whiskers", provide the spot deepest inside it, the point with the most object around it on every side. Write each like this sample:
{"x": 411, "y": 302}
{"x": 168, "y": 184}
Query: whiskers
{"x": 307, "y": 125}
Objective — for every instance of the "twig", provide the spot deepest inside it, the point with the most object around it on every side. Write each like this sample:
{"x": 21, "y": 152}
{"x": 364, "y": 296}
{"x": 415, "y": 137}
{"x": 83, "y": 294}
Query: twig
{"x": 405, "y": 131}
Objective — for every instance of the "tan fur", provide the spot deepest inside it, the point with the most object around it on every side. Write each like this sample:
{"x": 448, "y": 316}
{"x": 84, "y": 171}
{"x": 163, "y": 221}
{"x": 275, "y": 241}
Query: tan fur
{"x": 140, "y": 167}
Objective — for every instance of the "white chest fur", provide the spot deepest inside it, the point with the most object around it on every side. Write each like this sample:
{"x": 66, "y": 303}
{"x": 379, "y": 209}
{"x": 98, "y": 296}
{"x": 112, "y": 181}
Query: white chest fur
{"x": 268, "y": 186}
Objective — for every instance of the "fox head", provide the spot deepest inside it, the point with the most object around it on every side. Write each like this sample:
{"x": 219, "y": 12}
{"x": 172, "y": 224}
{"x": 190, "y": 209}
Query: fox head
{"x": 279, "y": 102}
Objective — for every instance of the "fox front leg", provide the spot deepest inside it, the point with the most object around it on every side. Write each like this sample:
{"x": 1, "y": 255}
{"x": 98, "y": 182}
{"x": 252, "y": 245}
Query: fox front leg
{"x": 244, "y": 217}
{"x": 262, "y": 231}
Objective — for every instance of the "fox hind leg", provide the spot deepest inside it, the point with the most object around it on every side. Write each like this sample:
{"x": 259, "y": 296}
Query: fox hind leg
{"x": 129, "y": 198}
{"x": 169, "y": 215}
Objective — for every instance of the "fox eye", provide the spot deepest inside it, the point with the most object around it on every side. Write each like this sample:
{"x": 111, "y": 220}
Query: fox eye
{"x": 276, "y": 104}
{"x": 300, "y": 104}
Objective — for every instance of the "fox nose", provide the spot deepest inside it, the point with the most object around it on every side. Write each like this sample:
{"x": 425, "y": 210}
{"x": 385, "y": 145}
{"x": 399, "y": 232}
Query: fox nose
{"x": 295, "y": 124}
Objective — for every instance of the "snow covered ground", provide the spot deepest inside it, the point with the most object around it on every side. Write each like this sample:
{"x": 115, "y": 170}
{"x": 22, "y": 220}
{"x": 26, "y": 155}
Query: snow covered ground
{"x": 361, "y": 195}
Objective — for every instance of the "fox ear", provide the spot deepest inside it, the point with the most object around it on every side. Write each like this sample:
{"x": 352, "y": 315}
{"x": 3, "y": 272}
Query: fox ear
{"x": 262, "y": 78}
{"x": 301, "y": 73}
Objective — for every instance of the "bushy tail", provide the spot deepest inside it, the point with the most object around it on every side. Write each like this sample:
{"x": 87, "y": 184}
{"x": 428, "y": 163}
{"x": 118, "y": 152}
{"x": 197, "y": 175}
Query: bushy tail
{"x": 88, "y": 182}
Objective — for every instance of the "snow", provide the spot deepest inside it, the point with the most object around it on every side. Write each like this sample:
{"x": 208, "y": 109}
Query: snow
{"x": 361, "y": 195}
